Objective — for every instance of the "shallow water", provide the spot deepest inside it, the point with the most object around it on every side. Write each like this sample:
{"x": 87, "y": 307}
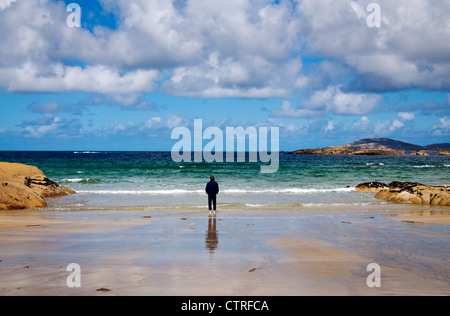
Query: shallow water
{"x": 124, "y": 180}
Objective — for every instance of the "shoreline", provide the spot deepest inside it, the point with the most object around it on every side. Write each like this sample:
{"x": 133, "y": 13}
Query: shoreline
{"x": 240, "y": 253}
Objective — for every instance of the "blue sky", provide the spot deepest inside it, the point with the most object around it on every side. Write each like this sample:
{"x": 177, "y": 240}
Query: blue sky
{"x": 137, "y": 69}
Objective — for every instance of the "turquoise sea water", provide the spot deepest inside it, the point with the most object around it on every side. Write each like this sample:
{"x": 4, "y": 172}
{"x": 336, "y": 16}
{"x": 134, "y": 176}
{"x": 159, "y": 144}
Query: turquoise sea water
{"x": 134, "y": 180}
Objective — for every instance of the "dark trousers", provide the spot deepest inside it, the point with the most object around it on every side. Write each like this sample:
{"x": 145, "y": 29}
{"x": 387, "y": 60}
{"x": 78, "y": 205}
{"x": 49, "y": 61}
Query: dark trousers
{"x": 212, "y": 200}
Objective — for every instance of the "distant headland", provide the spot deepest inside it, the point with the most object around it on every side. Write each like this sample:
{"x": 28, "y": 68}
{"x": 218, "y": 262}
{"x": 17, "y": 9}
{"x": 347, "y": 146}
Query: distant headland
{"x": 379, "y": 147}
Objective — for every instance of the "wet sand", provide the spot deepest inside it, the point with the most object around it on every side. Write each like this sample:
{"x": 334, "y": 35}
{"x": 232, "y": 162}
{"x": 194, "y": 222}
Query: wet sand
{"x": 245, "y": 253}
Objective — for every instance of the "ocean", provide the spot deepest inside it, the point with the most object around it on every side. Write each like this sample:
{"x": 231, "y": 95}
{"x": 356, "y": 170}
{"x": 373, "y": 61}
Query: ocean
{"x": 152, "y": 181}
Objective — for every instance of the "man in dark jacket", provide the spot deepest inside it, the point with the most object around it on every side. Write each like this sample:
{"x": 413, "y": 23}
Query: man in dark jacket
{"x": 212, "y": 189}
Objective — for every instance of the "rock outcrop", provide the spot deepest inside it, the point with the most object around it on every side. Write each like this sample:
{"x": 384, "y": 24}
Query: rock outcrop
{"x": 420, "y": 153}
{"x": 444, "y": 153}
{"x": 348, "y": 151}
{"x": 23, "y": 187}
{"x": 412, "y": 192}
{"x": 378, "y": 146}
{"x": 382, "y": 143}
{"x": 371, "y": 187}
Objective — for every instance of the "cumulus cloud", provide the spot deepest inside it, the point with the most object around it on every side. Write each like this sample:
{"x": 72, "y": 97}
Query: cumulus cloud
{"x": 230, "y": 77}
{"x": 51, "y": 126}
{"x": 154, "y": 127}
{"x": 36, "y": 42}
{"x": 385, "y": 128}
{"x": 334, "y": 100}
{"x": 411, "y": 49}
{"x": 31, "y": 77}
{"x": 225, "y": 48}
{"x": 55, "y": 126}
{"x": 230, "y": 48}
{"x": 154, "y": 123}
{"x": 442, "y": 127}
{"x": 287, "y": 111}
{"x": 330, "y": 127}
{"x": 173, "y": 121}
{"x": 403, "y": 123}
{"x": 407, "y": 116}
{"x": 127, "y": 101}
{"x": 6, "y": 4}
{"x": 362, "y": 125}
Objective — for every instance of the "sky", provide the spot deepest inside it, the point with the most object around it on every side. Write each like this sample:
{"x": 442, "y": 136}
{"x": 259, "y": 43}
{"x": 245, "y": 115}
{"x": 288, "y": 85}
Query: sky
{"x": 136, "y": 69}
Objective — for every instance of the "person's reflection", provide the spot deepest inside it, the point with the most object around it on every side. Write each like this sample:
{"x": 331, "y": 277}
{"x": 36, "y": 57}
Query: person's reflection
{"x": 212, "y": 236}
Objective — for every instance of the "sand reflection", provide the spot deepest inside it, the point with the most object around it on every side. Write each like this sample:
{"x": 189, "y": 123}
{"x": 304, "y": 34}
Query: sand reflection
{"x": 212, "y": 235}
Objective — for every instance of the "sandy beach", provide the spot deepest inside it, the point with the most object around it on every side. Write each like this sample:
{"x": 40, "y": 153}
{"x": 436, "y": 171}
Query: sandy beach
{"x": 324, "y": 124}
{"x": 250, "y": 253}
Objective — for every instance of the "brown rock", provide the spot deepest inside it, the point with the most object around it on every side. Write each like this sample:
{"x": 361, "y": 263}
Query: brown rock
{"x": 383, "y": 194}
{"x": 371, "y": 187}
{"x": 68, "y": 190}
{"x": 420, "y": 153}
{"x": 444, "y": 153}
{"x": 23, "y": 187}
{"x": 416, "y": 193}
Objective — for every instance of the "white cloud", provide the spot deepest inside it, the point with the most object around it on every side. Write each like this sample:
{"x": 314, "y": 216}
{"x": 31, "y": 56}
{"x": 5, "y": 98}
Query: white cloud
{"x": 227, "y": 48}
{"x": 442, "y": 127}
{"x": 385, "y": 128}
{"x": 407, "y": 116}
{"x": 411, "y": 49}
{"x": 362, "y": 125}
{"x": 52, "y": 126}
{"x": 59, "y": 78}
{"x": 288, "y": 112}
{"x": 130, "y": 101}
{"x": 212, "y": 49}
{"x": 388, "y": 127}
{"x": 330, "y": 127}
{"x": 4, "y": 4}
{"x": 118, "y": 128}
{"x": 174, "y": 121}
{"x": 395, "y": 125}
{"x": 246, "y": 76}
{"x": 334, "y": 100}
{"x": 154, "y": 122}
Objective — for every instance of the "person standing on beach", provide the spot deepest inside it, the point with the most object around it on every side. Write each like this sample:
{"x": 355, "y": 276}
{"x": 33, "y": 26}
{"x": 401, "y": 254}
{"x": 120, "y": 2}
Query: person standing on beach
{"x": 212, "y": 189}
